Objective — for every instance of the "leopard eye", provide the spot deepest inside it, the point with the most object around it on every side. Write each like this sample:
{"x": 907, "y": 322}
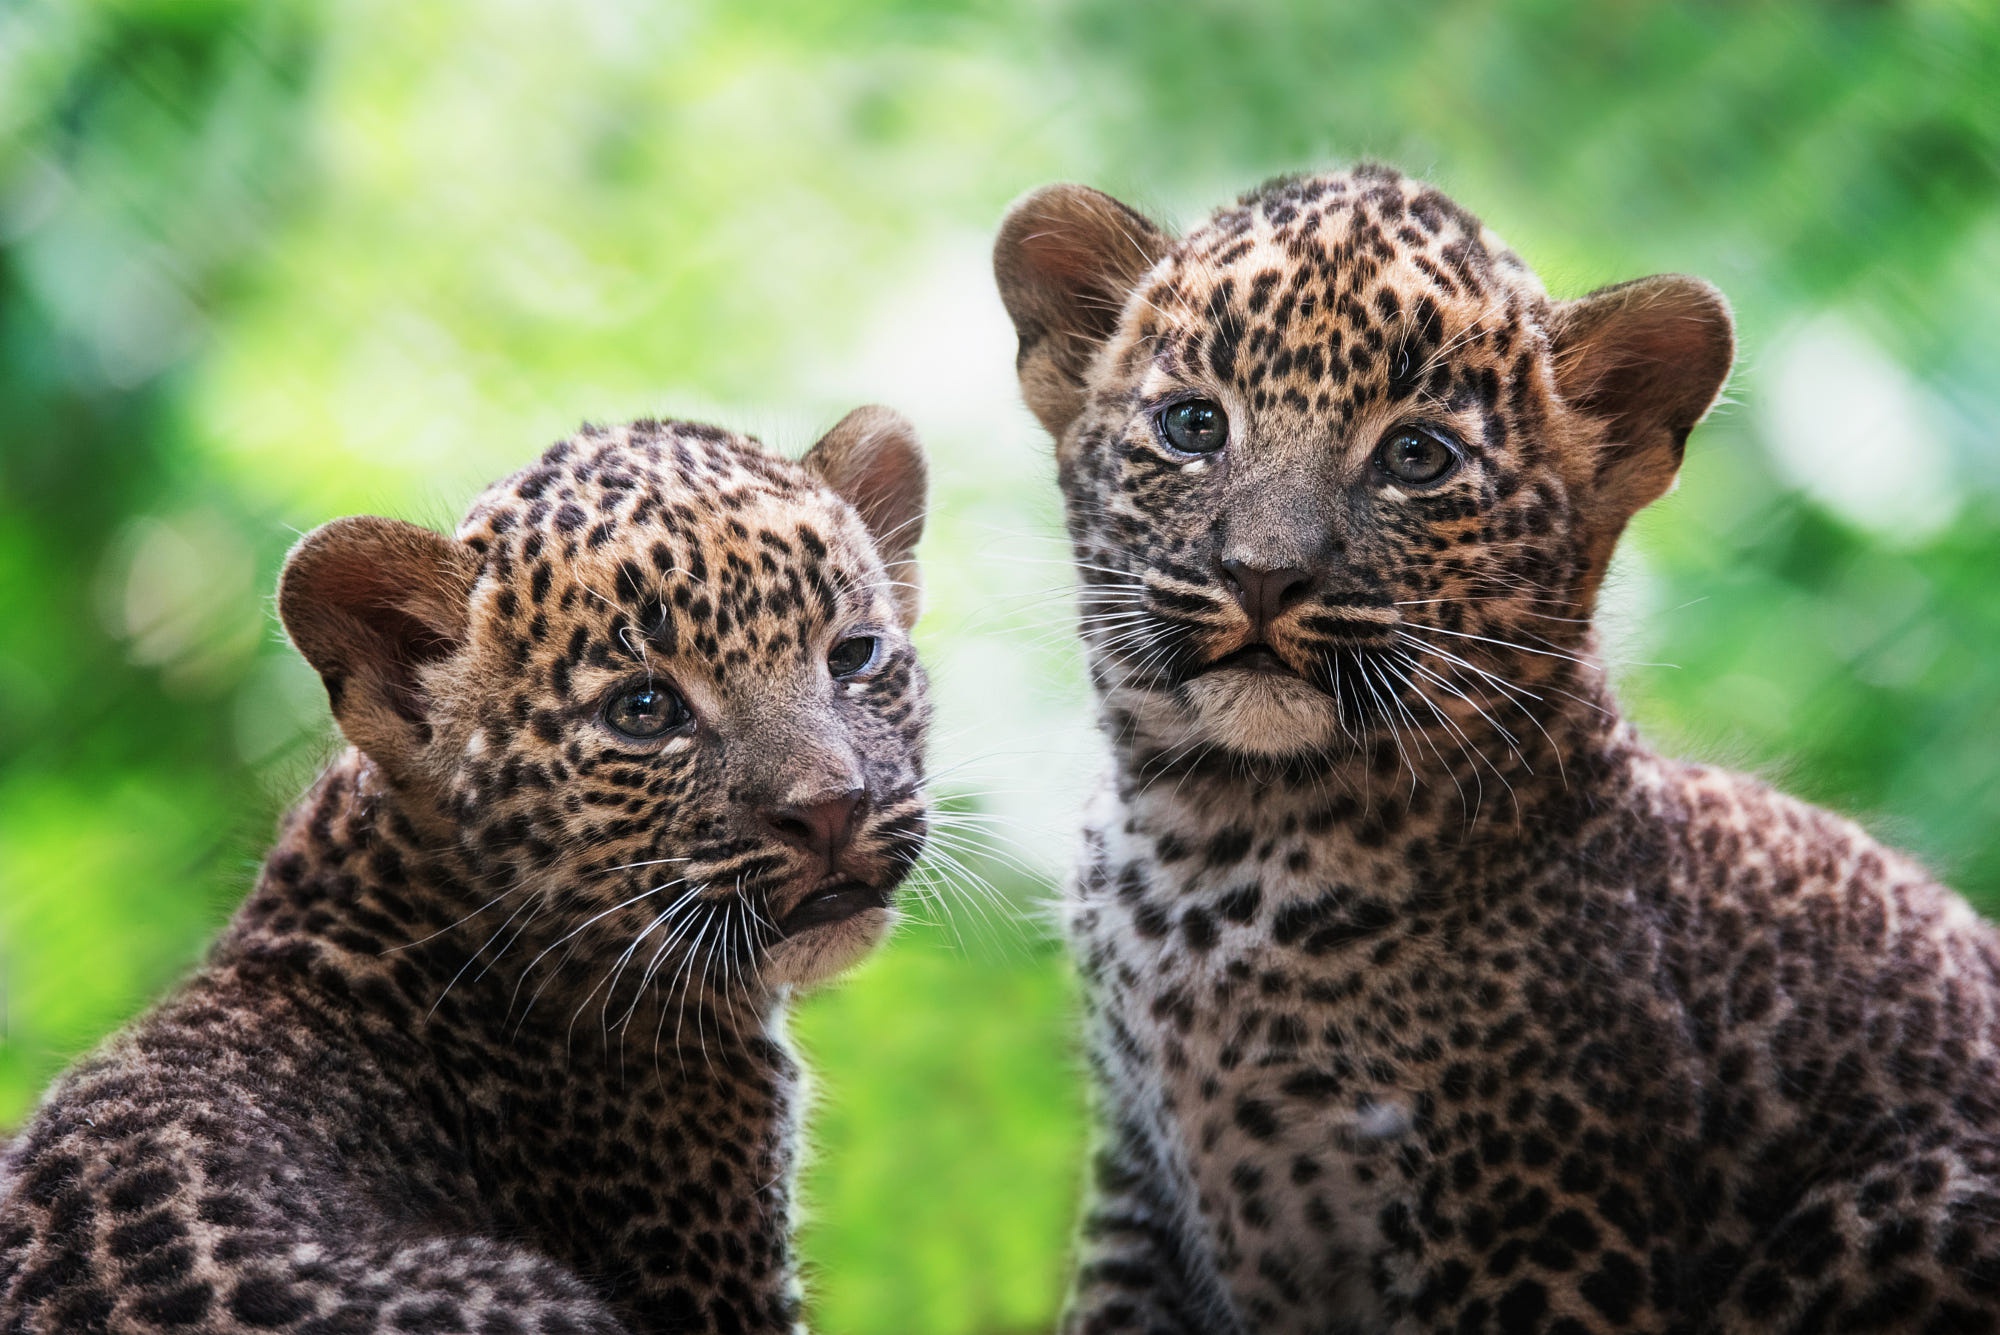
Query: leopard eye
{"x": 1416, "y": 456}
{"x": 1198, "y": 426}
{"x": 645, "y": 712}
{"x": 852, "y": 656}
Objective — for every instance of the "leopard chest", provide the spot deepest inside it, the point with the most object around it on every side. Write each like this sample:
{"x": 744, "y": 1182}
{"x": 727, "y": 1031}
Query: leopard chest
{"x": 1272, "y": 1034}
{"x": 664, "y": 1166}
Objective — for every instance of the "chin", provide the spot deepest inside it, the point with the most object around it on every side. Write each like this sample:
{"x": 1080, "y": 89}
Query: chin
{"x": 1262, "y": 714}
{"x": 821, "y": 954}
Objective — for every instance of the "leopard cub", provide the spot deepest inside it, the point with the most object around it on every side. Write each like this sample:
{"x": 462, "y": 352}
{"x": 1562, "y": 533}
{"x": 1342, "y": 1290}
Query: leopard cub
{"x": 1423, "y": 996}
{"x": 496, "y": 1044}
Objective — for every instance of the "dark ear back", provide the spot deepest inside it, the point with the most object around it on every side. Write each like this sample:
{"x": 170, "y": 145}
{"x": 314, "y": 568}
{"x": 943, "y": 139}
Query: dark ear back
{"x": 873, "y": 459}
{"x": 1646, "y": 358}
{"x": 1066, "y": 260}
{"x": 369, "y": 602}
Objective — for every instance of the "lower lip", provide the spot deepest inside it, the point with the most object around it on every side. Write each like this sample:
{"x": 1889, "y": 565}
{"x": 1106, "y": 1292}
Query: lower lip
{"x": 1258, "y": 660}
{"x": 834, "y": 904}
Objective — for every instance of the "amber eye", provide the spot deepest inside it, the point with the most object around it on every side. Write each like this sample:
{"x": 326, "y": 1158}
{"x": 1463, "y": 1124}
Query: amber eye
{"x": 1416, "y": 456}
{"x": 852, "y": 656}
{"x": 645, "y": 712}
{"x": 1198, "y": 426}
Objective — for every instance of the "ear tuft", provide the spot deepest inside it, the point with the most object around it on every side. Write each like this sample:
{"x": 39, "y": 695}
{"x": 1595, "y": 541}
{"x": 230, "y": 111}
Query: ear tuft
{"x": 1647, "y": 359}
{"x": 874, "y": 461}
{"x": 1067, "y": 259}
{"x": 370, "y": 602}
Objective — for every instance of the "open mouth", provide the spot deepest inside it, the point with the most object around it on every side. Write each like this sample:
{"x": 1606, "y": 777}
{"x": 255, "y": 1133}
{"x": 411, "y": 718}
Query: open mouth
{"x": 1257, "y": 658}
{"x": 833, "y": 902}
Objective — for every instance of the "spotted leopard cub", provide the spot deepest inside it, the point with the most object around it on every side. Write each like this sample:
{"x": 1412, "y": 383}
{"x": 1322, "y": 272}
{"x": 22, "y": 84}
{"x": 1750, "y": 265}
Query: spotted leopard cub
{"x": 1422, "y": 995}
{"x": 496, "y": 1045}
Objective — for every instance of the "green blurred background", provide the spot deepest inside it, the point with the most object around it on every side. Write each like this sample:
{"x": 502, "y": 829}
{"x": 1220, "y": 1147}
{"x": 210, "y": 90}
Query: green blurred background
{"x": 264, "y": 262}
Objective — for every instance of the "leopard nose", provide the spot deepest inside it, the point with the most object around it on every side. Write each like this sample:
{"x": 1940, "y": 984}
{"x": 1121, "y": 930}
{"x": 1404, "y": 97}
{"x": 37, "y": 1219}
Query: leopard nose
{"x": 1265, "y": 594}
{"x": 822, "y": 825}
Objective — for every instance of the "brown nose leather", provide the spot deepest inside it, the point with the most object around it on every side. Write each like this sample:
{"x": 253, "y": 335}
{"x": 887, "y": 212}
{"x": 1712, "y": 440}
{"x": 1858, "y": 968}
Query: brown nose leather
{"x": 822, "y": 826}
{"x": 1264, "y": 594}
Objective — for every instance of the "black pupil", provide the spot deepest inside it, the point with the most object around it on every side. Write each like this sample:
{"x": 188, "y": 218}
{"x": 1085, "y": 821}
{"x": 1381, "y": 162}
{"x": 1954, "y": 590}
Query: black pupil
{"x": 850, "y": 656}
{"x": 1197, "y": 427}
{"x": 646, "y": 712}
{"x": 1416, "y": 457}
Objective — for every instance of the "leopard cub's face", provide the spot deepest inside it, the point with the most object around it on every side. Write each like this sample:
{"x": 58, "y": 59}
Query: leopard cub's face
{"x": 662, "y": 680}
{"x": 1333, "y": 462}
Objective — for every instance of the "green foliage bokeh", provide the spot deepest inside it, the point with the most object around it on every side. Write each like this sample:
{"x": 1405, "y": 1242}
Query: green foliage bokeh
{"x": 266, "y": 263}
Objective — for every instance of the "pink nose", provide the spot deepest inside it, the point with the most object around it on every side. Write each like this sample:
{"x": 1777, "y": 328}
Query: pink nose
{"x": 822, "y": 826}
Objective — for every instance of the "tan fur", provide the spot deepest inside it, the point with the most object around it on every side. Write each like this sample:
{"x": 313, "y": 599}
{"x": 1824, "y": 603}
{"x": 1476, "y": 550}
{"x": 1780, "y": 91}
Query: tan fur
{"x": 1422, "y": 995}
{"x": 498, "y": 1042}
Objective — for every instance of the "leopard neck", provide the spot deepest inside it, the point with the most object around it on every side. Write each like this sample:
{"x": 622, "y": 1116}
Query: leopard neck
{"x": 386, "y": 948}
{"x": 355, "y": 910}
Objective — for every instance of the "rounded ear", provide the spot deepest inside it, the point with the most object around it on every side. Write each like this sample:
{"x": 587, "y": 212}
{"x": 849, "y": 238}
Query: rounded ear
{"x": 370, "y": 603}
{"x": 873, "y": 459}
{"x": 1067, "y": 258}
{"x": 1647, "y": 360}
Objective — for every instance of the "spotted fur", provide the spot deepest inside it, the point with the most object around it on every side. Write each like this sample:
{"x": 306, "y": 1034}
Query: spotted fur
{"x": 1422, "y": 995}
{"x": 496, "y": 1045}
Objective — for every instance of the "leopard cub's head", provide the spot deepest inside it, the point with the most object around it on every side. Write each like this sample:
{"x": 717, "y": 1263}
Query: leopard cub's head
{"x": 660, "y": 684}
{"x": 1334, "y": 462}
